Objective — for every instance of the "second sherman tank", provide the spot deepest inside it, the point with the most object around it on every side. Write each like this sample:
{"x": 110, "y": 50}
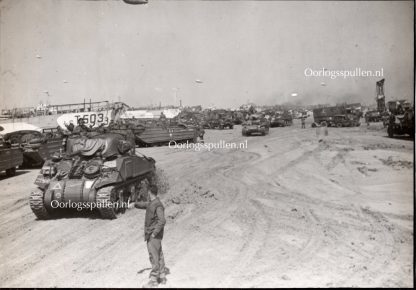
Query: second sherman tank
{"x": 256, "y": 124}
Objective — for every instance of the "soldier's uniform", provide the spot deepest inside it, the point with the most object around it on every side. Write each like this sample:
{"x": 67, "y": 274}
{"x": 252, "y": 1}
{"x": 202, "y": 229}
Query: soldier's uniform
{"x": 84, "y": 127}
{"x": 81, "y": 129}
{"x": 153, "y": 234}
{"x": 162, "y": 116}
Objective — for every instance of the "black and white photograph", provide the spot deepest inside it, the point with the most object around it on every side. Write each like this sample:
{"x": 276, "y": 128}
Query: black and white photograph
{"x": 207, "y": 144}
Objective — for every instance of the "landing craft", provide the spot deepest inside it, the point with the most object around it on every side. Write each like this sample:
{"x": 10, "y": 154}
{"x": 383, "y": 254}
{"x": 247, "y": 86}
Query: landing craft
{"x": 91, "y": 119}
{"x": 103, "y": 116}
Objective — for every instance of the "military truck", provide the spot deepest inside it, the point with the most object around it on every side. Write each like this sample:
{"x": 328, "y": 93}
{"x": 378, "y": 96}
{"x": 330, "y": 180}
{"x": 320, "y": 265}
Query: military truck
{"x": 192, "y": 120}
{"x": 347, "y": 120}
{"x": 372, "y": 116}
{"x": 36, "y": 146}
{"x": 402, "y": 119}
{"x": 97, "y": 171}
{"x": 325, "y": 116}
{"x": 281, "y": 119}
{"x": 218, "y": 119}
{"x": 189, "y": 118}
{"x": 10, "y": 158}
{"x": 238, "y": 117}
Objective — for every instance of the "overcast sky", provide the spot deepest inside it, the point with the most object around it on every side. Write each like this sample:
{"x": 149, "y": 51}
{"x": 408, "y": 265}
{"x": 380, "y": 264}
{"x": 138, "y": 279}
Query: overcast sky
{"x": 60, "y": 51}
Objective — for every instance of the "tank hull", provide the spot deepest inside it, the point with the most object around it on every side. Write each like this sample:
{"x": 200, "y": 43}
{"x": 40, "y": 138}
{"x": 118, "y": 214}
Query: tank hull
{"x": 97, "y": 172}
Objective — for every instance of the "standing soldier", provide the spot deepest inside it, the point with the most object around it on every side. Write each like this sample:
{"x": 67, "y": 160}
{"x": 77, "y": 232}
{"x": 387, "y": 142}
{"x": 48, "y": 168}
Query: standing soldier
{"x": 162, "y": 120}
{"x": 81, "y": 128}
{"x": 154, "y": 224}
{"x": 303, "y": 121}
{"x": 162, "y": 116}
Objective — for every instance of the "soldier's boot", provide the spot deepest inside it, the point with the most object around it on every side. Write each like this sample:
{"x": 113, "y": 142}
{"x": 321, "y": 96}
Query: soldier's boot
{"x": 151, "y": 284}
{"x": 162, "y": 280}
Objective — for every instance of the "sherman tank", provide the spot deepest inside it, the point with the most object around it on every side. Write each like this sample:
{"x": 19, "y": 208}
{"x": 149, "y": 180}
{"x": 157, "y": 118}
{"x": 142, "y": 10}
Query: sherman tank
{"x": 99, "y": 170}
{"x": 256, "y": 124}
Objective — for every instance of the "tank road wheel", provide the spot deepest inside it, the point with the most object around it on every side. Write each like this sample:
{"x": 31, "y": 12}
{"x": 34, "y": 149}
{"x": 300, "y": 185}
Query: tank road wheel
{"x": 37, "y": 205}
{"x": 11, "y": 172}
{"x": 106, "y": 201}
{"x": 339, "y": 125}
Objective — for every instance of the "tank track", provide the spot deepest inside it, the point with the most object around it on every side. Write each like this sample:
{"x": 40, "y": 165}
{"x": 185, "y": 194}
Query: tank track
{"x": 104, "y": 197}
{"x": 37, "y": 206}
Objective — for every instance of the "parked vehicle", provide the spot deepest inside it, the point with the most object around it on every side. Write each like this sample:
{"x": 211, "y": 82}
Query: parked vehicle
{"x": 281, "y": 120}
{"x": 255, "y": 125}
{"x": 344, "y": 121}
{"x": 372, "y": 116}
{"x": 325, "y": 116}
{"x": 37, "y": 145}
{"x": 218, "y": 119}
{"x": 156, "y": 133}
{"x": 401, "y": 120}
{"x": 10, "y": 158}
{"x": 99, "y": 171}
